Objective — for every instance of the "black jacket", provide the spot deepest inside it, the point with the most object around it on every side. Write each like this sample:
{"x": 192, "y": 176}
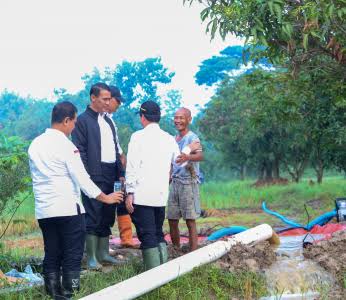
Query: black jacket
{"x": 87, "y": 138}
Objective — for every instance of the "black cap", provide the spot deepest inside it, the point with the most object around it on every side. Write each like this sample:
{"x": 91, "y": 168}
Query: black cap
{"x": 151, "y": 111}
{"x": 115, "y": 93}
{"x": 150, "y": 108}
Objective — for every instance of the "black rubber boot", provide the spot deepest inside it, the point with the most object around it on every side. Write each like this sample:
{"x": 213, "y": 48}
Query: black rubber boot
{"x": 70, "y": 283}
{"x": 52, "y": 284}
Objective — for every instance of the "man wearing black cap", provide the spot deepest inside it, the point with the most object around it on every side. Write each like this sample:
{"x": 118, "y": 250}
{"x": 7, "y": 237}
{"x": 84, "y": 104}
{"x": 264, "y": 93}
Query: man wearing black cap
{"x": 96, "y": 140}
{"x": 123, "y": 218}
{"x": 151, "y": 152}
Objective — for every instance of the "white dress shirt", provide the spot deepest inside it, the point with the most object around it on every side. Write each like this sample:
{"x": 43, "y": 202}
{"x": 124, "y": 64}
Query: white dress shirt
{"x": 58, "y": 174}
{"x": 150, "y": 154}
{"x": 116, "y": 133}
{"x": 108, "y": 154}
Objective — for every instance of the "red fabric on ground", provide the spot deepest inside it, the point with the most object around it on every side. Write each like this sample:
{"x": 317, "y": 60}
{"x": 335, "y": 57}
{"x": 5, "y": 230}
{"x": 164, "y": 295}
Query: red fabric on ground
{"x": 326, "y": 230}
{"x": 183, "y": 240}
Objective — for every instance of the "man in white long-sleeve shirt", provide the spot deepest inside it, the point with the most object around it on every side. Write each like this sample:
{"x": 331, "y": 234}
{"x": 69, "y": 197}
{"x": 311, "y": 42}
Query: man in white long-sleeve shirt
{"x": 151, "y": 152}
{"x": 58, "y": 174}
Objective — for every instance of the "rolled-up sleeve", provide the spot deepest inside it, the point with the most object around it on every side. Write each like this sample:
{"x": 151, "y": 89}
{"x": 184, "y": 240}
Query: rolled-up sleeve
{"x": 80, "y": 176}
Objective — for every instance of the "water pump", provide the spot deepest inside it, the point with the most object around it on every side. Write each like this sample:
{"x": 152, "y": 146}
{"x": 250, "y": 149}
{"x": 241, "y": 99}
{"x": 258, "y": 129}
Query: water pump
{"x": 340, "y": 204}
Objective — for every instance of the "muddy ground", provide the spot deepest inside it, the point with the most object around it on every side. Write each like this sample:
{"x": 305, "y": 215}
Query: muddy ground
{"x": 331, "y": 255}
{"x": 248, "y": 258}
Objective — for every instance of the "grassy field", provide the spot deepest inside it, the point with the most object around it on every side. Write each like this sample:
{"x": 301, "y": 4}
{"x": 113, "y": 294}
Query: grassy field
{"x": 235, "y": 195}
{"x": 288, "y": 198}
{"x": 242, "y": 204}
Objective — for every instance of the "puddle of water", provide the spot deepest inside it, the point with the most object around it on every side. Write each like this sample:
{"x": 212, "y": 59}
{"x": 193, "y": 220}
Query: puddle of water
{"x": 291, "y": 273}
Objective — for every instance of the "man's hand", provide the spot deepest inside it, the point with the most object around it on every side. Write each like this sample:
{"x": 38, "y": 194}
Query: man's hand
{"x": 129, "y": 203}
{"x": 195, "y": 146}
{"x": 112, "y": 198}
{"x": 182, "y": 158}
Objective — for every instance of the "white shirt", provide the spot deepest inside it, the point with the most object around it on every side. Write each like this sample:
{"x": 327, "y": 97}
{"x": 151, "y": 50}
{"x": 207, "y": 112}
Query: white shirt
{"x": 58, "y": 174}
{"x": 116, "y": 133}
{"x": 108, "y": 154}
{"x": 150, "y": 154}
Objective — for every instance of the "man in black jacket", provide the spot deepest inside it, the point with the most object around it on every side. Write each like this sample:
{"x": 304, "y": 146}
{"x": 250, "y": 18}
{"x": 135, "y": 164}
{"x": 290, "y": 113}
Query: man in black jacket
{"x": 95, "y": 137}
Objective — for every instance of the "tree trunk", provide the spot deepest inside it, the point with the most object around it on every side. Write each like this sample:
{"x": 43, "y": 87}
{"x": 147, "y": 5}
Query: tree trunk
{"x": 242, "y": 172}
{"x": 268, "y": 171}
{"x": 319, "y": 171}
{"x": 261, "y": 171}
{"x": 276, "y": 168}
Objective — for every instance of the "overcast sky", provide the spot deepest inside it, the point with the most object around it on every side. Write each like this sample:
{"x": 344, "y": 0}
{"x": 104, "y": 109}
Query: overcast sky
{"x": 50, "y": 44}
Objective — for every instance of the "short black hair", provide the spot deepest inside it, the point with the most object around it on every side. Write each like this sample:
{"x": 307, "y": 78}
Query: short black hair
{"x": 97, "y": 87}
{"x": 62, "y": 110}
{"x": 151, "y": 118}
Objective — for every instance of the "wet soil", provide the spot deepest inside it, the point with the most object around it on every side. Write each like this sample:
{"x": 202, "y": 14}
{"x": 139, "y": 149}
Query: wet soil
{"x": 331, "y": 255}
{"x": 248, "y": 258}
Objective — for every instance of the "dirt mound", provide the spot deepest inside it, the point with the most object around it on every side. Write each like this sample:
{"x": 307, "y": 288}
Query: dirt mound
{"x": 331, "y": 255}
{"x": 248, "y": 258}
{"x": 211, "y": 212}
{"x": 266, "y": 182}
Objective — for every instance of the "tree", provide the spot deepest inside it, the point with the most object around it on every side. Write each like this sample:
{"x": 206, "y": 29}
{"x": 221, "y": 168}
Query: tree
{"x": 14, "y": 173}
{"x": 229, "y": 63}
{"x": 34, "y": 120}
{"x": 266, "y": 120}
{"x": 294, "y": 30}
{"x": 169, "y": 105}
{"x": 12, "y": 107}
{"x": 139, "y": 81}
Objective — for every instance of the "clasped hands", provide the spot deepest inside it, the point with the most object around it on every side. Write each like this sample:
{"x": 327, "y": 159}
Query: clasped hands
{"x": 195, "y": 146}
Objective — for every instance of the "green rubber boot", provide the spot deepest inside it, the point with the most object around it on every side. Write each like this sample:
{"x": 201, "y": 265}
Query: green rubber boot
{"x": 151, "y": 258}
{"x": 163, "y": 253}
{"x": 103, "y": 252}
{"x": 91, "y": 242}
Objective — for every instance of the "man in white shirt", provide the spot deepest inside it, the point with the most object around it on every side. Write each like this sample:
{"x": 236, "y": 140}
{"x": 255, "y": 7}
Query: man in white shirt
{"x": 151, "y": 152}
{"x": 123, "y": 217}
{"x": 58, "y": 175}
{"x": 96, "y": 139}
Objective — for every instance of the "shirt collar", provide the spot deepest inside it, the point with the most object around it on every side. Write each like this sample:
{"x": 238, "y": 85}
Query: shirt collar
{"x": 92, "y": 112}
{"x": 152, "y": 126}
{"x": 55, "y": 132}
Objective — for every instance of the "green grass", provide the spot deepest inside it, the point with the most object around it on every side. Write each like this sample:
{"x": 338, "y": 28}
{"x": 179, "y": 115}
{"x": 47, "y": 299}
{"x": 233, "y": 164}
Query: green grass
{"x": 24, "y": 218}
{"x": 286, "y": 199}
{"x": 240, "y": 194}
{"x": 207, "y": 282}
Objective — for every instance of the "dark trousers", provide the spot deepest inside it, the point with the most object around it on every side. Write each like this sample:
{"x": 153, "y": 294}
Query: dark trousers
{"x": 148, "y": 221}
{"x": 100, "y": 216}
{"x": 121, "y": 209}
{"x": 64, "y": 239}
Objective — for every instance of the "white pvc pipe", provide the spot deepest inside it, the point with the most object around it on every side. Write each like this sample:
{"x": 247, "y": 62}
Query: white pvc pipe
{"x": 154, "y": 278}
